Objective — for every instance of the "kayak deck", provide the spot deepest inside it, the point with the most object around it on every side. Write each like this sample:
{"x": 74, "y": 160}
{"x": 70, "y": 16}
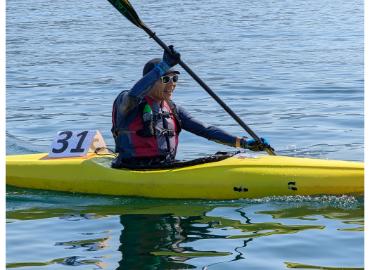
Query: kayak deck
{"x": 231, "y": 178}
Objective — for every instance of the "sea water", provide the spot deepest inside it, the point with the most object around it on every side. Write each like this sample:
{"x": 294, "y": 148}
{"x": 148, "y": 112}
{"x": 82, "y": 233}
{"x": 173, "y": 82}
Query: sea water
{"x": 292, "y": 70}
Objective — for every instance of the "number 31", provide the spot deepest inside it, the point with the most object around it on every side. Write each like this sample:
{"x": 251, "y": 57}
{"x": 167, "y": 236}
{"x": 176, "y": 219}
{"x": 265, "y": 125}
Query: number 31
{"x": 64, "y": 142}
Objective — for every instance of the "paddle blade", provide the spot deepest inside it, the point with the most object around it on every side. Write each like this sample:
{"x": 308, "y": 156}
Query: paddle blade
{"x": 126, "y": 9}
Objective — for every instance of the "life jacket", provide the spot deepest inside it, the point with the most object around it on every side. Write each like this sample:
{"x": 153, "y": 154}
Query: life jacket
{"x": 149, "y": 130}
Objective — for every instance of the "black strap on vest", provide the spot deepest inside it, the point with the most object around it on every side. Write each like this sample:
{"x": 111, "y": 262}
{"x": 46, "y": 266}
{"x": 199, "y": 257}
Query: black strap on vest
{"x": 149, "y": 131}
{"x": 175, "y": 114}
{"x": 115, "y": 131}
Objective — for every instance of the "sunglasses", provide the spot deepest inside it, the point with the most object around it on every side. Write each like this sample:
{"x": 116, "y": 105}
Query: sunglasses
{"x": 166, "y": 79}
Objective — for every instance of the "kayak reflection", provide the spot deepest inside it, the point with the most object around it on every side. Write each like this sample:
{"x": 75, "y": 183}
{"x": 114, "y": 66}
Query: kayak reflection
{"x": 165, "y": 241}
{"x": 131, "y": 233}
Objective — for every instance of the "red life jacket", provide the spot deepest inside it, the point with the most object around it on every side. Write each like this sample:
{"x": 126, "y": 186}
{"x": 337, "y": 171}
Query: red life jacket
{"x": 134, "y": 140}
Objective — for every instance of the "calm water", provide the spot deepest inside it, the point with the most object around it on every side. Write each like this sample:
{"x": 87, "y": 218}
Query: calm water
{"x": 293, "y": 70}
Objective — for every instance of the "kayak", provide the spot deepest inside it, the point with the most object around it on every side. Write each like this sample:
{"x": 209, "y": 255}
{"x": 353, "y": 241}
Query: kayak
{"x": 230, "y": 178}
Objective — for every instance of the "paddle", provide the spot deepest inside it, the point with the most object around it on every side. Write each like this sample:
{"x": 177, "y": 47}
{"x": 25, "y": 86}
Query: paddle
{"x": 126, "y": 9}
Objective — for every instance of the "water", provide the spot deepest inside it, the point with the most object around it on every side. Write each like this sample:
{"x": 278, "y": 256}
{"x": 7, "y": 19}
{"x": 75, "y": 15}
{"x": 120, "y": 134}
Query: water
{"x": 292, "y": 70}
{"x": 56, "y": 230}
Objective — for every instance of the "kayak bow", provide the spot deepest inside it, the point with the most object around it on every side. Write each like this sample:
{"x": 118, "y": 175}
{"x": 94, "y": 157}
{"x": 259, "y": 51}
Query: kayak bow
{"x": 231, "y": 178}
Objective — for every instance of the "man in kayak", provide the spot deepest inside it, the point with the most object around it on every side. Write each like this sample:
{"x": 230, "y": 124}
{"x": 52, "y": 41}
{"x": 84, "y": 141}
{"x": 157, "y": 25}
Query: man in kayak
{"x": 146, "y": 122}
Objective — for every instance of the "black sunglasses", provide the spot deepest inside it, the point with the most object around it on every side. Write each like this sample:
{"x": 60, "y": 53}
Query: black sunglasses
{"x": 166, "y": 79}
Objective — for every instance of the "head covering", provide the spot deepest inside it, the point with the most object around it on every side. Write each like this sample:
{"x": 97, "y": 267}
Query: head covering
{"x": 152, "y": 63}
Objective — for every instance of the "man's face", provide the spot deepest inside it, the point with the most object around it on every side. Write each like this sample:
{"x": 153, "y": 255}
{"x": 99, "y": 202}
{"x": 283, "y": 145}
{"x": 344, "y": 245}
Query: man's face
{"x": 164, "y": 87}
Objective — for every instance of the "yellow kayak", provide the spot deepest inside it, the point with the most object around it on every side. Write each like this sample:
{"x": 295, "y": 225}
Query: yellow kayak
{"x": 231, "y": 178}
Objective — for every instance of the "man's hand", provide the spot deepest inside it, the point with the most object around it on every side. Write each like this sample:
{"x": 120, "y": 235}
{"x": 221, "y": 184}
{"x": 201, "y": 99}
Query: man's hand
{"x": 253, "y": 145}
{"x": 173, "y": 58}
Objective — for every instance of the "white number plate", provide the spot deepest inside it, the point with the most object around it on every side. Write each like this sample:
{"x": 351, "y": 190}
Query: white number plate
{"x": 75, "y": 143}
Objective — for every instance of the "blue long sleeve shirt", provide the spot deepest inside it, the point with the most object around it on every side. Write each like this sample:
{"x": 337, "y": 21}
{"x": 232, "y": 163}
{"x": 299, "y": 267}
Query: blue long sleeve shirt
{"x": 188, "y": 122}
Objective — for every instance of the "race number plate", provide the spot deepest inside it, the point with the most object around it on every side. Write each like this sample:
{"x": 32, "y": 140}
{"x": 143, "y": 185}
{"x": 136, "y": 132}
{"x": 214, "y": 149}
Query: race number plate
{"x": 75, "y": 143}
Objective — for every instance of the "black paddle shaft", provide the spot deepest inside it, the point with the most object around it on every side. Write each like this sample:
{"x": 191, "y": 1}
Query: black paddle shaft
{"x": 270, "y": 151}
{"x": 127, "y": 10}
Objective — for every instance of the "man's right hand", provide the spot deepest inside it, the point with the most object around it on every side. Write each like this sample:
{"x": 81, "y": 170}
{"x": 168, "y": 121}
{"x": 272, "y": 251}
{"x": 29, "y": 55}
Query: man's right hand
{"x": 173, "y": 58}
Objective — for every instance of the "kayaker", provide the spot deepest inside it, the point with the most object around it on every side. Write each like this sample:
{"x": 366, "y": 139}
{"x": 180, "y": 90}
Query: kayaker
{"x": 146, "y": 122}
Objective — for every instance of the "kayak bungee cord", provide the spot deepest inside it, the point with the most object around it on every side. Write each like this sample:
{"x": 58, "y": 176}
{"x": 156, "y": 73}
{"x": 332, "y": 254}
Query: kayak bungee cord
{"x": 127, "y": 10}
{"x": 98, "y": 150}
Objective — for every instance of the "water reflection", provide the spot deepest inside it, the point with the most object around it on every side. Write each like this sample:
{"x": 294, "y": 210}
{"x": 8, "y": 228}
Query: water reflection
{"x": 149, "y": 234}
{"x": 144, "y": 237}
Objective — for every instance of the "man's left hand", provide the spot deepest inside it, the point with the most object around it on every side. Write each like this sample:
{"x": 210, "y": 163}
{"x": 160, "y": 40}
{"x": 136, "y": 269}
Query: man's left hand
{"x": 254, "y": 145}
